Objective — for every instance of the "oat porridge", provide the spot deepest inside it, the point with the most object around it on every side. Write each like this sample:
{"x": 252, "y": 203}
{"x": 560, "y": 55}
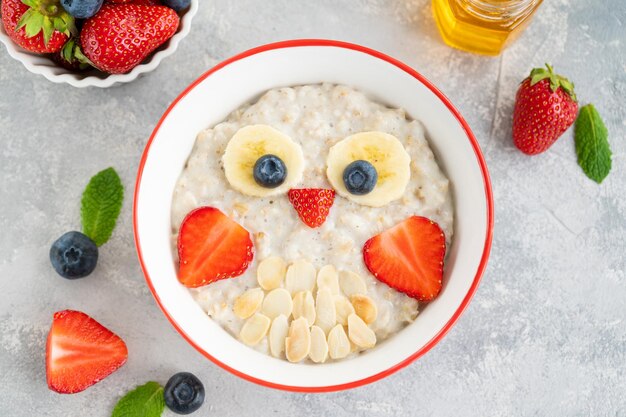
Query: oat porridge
{"x": 326, "y": 211}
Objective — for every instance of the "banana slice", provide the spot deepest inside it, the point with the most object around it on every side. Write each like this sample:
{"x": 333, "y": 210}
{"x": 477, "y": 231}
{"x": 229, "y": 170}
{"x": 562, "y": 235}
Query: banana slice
{"x": 382, "y": 150}
{"x": 250, "y": 143}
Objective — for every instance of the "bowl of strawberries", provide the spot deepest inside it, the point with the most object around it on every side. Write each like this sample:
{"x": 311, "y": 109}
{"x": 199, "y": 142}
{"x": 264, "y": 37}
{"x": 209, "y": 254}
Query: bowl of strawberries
{"x": 94, "y": 43}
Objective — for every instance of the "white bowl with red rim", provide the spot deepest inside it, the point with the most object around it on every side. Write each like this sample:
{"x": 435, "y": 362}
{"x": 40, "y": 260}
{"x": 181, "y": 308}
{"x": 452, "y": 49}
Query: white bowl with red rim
{"x": 243, "y": 78}
{"x": 43, "y": 65}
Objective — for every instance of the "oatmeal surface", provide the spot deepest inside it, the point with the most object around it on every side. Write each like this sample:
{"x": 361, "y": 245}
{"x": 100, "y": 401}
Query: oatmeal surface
{"x": 317, "y": 117}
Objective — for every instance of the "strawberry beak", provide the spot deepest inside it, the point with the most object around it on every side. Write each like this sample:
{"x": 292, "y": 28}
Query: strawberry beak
{"x": 312, "y": 204}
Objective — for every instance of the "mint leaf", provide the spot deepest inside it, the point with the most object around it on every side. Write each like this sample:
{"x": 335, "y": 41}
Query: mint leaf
{"x": 144, "y": 401}
{"x": 101, "y": 205}
{"x": 592, "y": 145}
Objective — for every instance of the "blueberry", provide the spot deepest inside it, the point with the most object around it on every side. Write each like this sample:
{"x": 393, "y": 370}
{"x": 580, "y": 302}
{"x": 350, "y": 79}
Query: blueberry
{"x": 184, "y": 393}
{"x": 269, "y": 171}
{"x": 360, "y": 177}
{"x": 74, "y": 255}
{"x": 177, "y": 5}
{"x": 82, "y": 9}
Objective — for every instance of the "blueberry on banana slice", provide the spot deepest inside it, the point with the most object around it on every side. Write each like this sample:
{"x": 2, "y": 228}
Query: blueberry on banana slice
{"x": 269, "y": 171}
{"x": 360, "y": 177}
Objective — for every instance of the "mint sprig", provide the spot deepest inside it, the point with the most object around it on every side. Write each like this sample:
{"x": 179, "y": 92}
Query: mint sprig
{"x": 101, "y": 205}
{"x": 145, "y": 401}
{"x": 592, "y": 145}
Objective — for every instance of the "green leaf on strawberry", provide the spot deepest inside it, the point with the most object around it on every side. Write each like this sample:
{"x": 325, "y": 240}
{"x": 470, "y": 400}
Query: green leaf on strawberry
{"x": 556, "y": 81}
{"x": 592, "y": 145}
{"x": 46, "y": 17}
{"x": 40, "y": 26}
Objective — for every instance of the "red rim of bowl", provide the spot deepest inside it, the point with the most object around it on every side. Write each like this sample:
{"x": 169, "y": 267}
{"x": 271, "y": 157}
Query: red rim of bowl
{"x": 479, "y": 157}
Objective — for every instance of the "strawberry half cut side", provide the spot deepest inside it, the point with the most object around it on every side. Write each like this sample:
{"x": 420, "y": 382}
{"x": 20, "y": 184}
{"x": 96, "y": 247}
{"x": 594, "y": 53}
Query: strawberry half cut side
{"x": 80, "y": 352}
{"x": 211, "y": 247}
{"x": 409, "y": 257}
{"x": 312, "y": 204}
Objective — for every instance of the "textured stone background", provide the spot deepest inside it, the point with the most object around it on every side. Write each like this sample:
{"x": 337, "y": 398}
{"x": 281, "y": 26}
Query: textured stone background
{"x": 545, "y": 333}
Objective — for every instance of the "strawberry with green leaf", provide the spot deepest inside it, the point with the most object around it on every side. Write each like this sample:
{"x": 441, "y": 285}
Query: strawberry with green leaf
{"x": 545, "y": 107}
{"x": 40, "y": 26}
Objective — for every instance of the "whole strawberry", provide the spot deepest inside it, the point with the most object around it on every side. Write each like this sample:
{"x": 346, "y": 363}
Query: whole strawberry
{"x": 121, "y": 36}
{"x": 545, "y": 107}
{"x": 40, "y": 26}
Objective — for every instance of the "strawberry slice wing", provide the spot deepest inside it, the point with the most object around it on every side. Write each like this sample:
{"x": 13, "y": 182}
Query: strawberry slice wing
{"x": 211, "y": 247}
{"x": 409, "y": 257}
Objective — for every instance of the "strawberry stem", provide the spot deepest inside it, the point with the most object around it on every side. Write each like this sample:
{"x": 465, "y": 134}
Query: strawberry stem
{"x": 46, "y": 16}
{"x": 556, "y": 80}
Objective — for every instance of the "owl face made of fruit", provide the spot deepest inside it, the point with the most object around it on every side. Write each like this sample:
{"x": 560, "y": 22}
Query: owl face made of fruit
{"x": 355, "y": 212}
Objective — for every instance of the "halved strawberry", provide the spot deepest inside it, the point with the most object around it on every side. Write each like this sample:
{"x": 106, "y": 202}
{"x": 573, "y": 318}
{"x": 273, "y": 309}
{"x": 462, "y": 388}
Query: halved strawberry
{"x": 409, "y": 257}
{"x": 312, "y": 204}
{"x": 211, "y": 247}
{"x": 80, "y": 352}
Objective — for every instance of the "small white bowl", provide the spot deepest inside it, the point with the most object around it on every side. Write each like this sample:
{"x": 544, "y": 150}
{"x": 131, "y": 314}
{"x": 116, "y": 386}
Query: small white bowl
{"x": 242, "y": 79}
{"x": 42, "y": 65}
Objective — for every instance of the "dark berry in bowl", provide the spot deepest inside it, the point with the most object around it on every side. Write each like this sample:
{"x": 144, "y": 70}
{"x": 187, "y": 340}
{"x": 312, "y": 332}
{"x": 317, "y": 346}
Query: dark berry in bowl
{"x": 74, "y": 255}
{"x": 269, "y": 171}
{"x": 82, "y": 9}
{"x": 360, "y": 177}
{"x": 177, "y": 5}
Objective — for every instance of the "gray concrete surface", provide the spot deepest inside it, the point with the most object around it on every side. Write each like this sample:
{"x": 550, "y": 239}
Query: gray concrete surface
{"x": 545, "y": 334}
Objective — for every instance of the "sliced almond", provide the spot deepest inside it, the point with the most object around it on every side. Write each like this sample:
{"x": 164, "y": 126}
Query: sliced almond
{"x": 277, "y": 302}
{"x": 354, "y": 348}
{"x": 364, "y": 307}
{"x": 300, "y": 277}
{"x": 277, "y": 335}
{"x": 254, "y": 329}
{"x": 325, "y": 312}
{"x": 327, "y": 277}
{"x": 351, "y": 283}
{"x": 319, "y": 345}
{"x": 271, "y": 272}
{"x": 298, "y": 341}
{"x": 359, "y": 333}
{"x": 248, "y": 303}
{"x": 304, "y": 306}
{"x": 344, "y": 308}
{"x": 338, "y": 343}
